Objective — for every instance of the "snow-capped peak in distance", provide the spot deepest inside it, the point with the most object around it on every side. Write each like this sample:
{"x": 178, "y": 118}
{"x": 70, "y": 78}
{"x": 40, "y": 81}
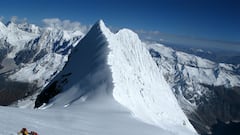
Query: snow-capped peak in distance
{"x": 106, "y": 66}
{"x": 48, "y": 53}
{"x": 2, "y": 25}
{"x": 11, "y": 25}
{"x": 16, "y": 37}
{"x": 3, "y": 30}
{"x": 32, "y": 28}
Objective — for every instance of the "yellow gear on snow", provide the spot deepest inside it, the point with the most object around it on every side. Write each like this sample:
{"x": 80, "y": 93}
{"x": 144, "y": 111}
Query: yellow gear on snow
{"x": 23, "y": 133}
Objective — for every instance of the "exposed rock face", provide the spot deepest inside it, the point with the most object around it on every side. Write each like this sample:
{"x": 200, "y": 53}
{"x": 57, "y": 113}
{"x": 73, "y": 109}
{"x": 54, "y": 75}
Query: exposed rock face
{"x": 221, "y": 128}
{"x": 223, "y": 105}
{"x": 5, "y": 48}
{"x": 12, "y": 91}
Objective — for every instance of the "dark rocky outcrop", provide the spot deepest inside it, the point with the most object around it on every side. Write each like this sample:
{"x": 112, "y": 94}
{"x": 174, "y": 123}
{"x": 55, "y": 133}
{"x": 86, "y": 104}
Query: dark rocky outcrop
{"x": 11, "y": 91}
{"x": 223, "y": 106}
{"x": 222, "y": 128}
{"x": 40, "y": 55}
{"x": 49, "y": 92}
{"x": 24, "y": 56}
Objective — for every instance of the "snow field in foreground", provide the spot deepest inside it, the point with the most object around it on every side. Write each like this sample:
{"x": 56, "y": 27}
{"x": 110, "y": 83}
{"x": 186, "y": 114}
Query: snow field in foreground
{"x": 84, "y": 119}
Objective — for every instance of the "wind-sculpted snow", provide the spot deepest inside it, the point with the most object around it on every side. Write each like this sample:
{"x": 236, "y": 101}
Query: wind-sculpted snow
{"x": 139, "y": 85}
{"x": 105, "y": 66}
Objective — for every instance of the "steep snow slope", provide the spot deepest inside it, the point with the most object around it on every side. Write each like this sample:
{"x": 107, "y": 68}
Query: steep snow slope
{"x": 139, "y": 85}
{"x": 3, "y": 30}
{"x": 104, "y": 66}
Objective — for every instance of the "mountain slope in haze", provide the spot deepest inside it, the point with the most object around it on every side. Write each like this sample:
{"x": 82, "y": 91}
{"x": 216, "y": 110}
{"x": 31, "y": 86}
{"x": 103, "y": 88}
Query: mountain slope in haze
{"x": 207, "y": 91}
{"x": 106, "y": 66}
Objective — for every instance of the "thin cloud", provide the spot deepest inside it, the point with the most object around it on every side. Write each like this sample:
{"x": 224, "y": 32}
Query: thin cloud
{"x": 65, "y": 24}
{"x": 2, "y": 18}
{"x": 14, "y": 19}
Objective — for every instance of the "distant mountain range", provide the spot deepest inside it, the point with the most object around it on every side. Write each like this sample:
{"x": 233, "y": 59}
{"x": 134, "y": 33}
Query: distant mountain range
{"x": 207, "y": 91}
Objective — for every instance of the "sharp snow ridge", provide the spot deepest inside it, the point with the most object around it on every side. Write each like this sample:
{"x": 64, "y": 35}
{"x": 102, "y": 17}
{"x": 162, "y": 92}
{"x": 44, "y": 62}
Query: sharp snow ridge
{"x": 117, "y": 66}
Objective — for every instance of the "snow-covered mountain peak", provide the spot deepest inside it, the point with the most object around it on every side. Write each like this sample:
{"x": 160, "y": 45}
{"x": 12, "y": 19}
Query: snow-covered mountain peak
{"x": 127, "y": 35}
{"x": 12, "y": 27}
{"x": 46, "y": 55}
{"x": 2, "y": 25}
{"x": 101, "y": 23}
{"x": 24, "y": 26}
{"x": 66, "y": 34}
{"x": 102, "y": 27}
{"x": 31, "y": 28}
{"x": 3, "y": 29}
{"x": 11, "y": 24}
{"x": 117, "y": 67}
{"x": 16, "y": 37}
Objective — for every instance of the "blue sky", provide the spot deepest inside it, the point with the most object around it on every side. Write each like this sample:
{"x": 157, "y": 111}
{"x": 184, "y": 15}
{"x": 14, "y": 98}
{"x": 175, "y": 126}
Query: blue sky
{"x": 209, "y": 19}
